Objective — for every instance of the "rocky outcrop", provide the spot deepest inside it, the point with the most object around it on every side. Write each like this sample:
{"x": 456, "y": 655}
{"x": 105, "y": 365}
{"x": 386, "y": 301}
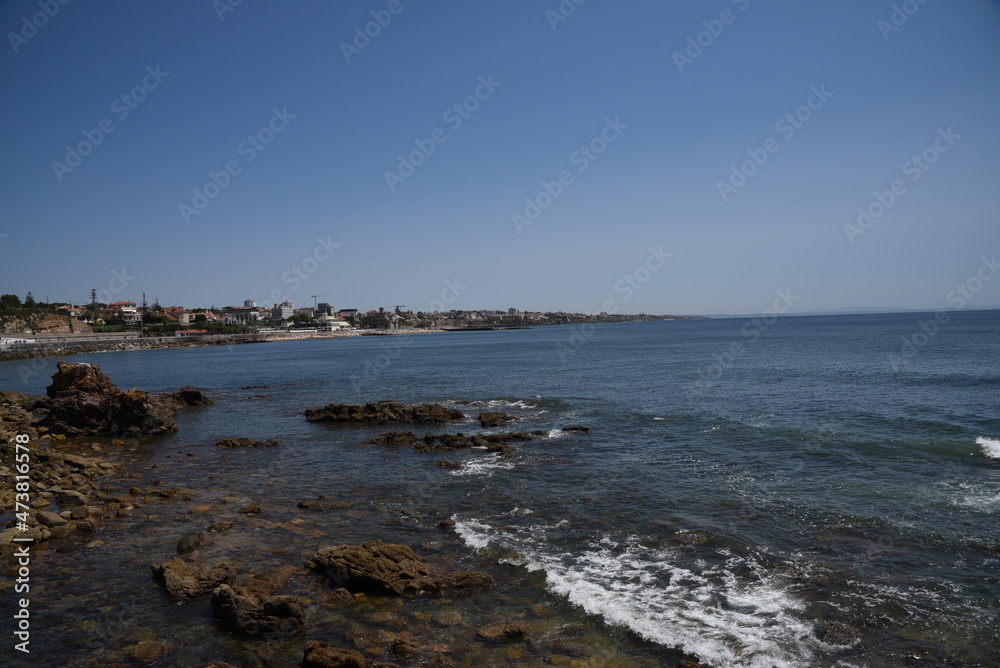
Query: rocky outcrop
{"x": 186, "y": 581}
{"x": 494, "y": 419}
{"x": 448, "y": 442}
{"x": 245, "y": 611}
{"x": 242, "y": 442}
{"x": 578, "y": 428}
{"x": 84, "y": 402}
{"x": 323, "y": 503}
{"x": 321, "y": 655}
{"x": 195, "y": 541}
{"x": 390, "y": 568}
{"x": 383, "y": 412}
{"x": 186, "y": 397}
{"x": 269, "y": 582}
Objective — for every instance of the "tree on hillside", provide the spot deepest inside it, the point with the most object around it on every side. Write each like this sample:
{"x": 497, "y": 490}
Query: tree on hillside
{"x": 29, "y": 300}
{"x": 9, "y": 301}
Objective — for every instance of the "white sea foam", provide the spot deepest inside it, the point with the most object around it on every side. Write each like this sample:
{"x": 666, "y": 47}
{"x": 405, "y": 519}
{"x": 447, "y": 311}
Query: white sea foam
{"x": 483, "y": 466}
{"x": 709, "y": 611}
{"x": 990, "y": 446}
{"x": 556, "y": 433}
{"x": 517, "y": 403}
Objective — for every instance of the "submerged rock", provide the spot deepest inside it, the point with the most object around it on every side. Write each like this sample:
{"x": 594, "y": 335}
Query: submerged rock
{"x": 582, "y": 430}
{"x": 321, "y": 655}
{"x": 323, "y": 504}
{"x": 245, "y": 611}
{"x": 393, "y": 438}
{"x": 383, "y": 412}
{"x": 448, "y": 442}
{"x": 509, "y": 631}
{"x": 187, "y": 581}
{"x": 147, "y": 651}
{"x": 243, "y": 442}
{"x": 194, "y": 541}
{"x": 269, "y": 582}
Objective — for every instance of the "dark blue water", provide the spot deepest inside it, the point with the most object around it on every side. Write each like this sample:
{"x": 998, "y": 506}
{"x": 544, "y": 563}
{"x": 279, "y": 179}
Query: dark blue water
{"x": 819, "y": 494}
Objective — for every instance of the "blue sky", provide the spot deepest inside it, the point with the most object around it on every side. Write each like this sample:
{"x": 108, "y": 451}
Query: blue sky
{"x": 555, "y": 86}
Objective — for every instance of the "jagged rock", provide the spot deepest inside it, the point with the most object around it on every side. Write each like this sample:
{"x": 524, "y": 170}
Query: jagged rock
{"x": 251, "y": 509}
{"x": 321, "y": 655}
{"x": 79, "y": 378}
{"x": 243, "y": 610}
{"x": 187, "y": 581}
{"x": 447, "y": 523}
{"x": 243, "y": 442}
{"x": 186, "y": 397}
{"x": 447, "y": 464}
{"x": 383, "y": 412}
{"x": 220, "y": 526}
{"x": 194, "y": 541}
{"x": 494, "y": 419}
{"x": 509, "y": 631}
{"x": 84, "y": 402}
{"x": 388, "y": 567}
{"x": 269, "y": 582}
{"x": 393, "y": 438}
{"x": 371, "y": 565}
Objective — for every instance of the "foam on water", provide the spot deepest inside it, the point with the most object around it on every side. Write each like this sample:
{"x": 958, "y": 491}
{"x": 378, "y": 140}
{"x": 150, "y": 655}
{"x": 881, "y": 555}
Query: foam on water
{"x": 990, "y": 446}
{"x": 708, "y": 611}
{"x": 483, "y": 466}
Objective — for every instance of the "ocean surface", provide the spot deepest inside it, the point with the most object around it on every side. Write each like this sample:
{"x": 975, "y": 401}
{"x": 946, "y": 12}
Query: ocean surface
{"x": 809, "y": 491}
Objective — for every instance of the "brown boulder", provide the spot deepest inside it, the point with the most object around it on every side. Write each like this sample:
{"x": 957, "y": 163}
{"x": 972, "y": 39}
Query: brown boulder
{"x": 321, "y": 655}
{"x": 383, "y": 412}
{"x": 245, "y": 611}
{"x": 147, "y": 651}
{"x": 187, "y": 581}
{"x": 372, "y": 566}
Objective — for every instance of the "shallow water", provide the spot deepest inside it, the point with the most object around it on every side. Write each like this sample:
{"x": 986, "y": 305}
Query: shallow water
{"x": 796, "y": 503}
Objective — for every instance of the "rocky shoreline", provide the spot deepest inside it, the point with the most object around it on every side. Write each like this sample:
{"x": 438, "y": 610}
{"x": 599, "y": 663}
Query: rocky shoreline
{"x": 69, "y": 348}
{"x": 84, "y": 435}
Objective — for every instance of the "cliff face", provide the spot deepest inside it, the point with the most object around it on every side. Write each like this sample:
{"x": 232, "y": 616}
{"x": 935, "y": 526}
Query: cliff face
{"x": 49, "y": 324}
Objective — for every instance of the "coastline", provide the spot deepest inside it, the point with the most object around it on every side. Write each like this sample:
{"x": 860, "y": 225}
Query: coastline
{"x": 62, "y": 348}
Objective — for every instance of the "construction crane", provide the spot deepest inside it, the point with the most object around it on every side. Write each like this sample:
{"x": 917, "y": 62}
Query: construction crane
{"x": 399, "y": 306}
{"x": 315, "y": 300}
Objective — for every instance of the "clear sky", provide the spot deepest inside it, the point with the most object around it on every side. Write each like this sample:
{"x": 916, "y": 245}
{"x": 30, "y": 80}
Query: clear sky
{"x": 330, "y": 113}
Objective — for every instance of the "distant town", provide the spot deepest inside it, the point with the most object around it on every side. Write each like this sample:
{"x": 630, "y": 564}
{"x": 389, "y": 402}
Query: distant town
{"x": 152, "y": 319}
